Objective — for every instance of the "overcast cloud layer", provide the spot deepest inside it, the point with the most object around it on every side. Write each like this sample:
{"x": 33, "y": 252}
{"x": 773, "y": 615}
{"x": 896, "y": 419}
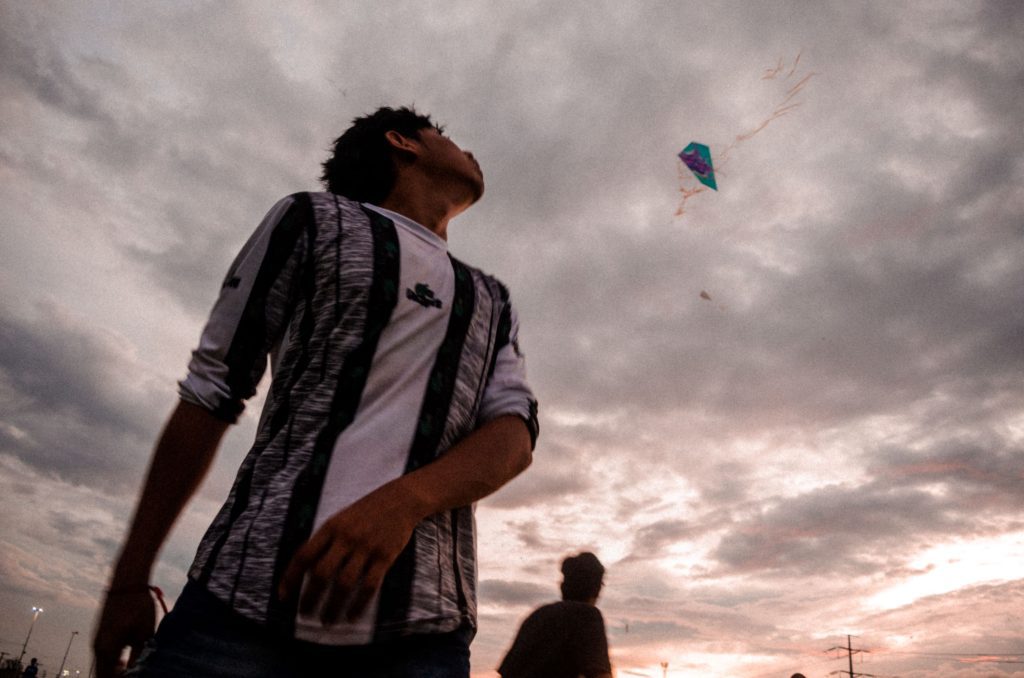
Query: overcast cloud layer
{"x": 828, "y": 441}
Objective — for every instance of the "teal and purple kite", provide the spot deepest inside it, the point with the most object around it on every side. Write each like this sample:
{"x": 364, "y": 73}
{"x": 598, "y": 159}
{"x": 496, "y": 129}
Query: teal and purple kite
{"x": 698, "y": 158}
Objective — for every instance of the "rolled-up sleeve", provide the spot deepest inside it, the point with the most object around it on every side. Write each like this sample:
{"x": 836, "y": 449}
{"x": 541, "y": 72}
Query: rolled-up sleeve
{"x": 252, "y": 310}
{"x": 507, "y": 391}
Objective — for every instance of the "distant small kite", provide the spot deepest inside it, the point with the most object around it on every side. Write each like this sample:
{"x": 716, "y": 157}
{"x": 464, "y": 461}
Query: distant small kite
{"x": 698, "y": 158}
{"x": 705, "y": 295}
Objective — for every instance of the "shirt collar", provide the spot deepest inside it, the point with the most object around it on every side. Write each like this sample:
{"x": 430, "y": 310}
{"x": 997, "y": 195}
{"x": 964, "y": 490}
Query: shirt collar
{"x": 414, "y": 227}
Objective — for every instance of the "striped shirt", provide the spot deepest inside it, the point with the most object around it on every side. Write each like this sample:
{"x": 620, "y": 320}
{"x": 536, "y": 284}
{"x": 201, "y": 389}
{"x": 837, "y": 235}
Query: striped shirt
{"x": 386, "y": 351}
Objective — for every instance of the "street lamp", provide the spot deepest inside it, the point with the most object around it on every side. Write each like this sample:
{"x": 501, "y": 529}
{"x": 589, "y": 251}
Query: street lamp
{"x": 35, "y": 615}
{"x": 60, "y": 671}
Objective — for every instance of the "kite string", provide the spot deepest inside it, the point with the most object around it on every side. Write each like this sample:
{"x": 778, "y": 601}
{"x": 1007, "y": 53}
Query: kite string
{"x": 782, "y": 108}
{"x": 159, "y": 594}
{"x": 687, "y": 193}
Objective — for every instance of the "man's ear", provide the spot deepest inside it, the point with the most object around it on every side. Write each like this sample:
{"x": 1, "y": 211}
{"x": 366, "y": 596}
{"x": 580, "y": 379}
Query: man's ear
{"x": 401, "y": 144}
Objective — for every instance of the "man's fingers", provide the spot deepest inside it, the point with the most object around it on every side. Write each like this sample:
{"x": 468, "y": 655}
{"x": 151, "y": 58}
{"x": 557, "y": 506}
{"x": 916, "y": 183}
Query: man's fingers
{"x": 291, "y": 581}
{"x": 107, "y": 652}
{"x": 321, "y": 575}
{"x": 345, "y": 581}
{"x": 133, "y": 655}
{"x": 342, "y": 565}
{"x": 128, "y": 619}
{"x": 372, "y": 581}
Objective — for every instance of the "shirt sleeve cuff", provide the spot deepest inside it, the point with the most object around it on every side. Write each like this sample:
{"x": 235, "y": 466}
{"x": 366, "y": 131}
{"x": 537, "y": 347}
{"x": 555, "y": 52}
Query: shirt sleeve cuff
{"x": 526, "y": 411}
{"x": 191, "y": 390}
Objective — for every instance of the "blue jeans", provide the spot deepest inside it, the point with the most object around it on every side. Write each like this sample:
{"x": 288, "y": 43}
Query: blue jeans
{"x": 203, "y": 638}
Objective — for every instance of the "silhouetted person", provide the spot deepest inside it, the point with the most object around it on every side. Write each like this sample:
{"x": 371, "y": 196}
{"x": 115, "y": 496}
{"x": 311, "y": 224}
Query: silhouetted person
{"x": 32, "y": 670}
{"x": 798, "y": 675}
{"x": 564, "y": 639}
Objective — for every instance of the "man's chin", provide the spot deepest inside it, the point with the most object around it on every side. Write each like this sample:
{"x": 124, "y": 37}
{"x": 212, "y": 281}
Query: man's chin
{"x": 476, "y": 189}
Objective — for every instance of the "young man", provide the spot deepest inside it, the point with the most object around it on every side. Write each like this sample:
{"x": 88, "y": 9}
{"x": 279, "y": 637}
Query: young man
{"x": 564, "y": 639}
{"x": 398, "y": 399}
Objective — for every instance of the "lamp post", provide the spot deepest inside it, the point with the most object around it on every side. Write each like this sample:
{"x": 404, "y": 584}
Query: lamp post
{"x": 35, "y": 615}
{"x": 60, "y": 671}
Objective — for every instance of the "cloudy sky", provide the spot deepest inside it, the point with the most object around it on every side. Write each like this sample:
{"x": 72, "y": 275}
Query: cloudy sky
{"x": 828, "y": 441}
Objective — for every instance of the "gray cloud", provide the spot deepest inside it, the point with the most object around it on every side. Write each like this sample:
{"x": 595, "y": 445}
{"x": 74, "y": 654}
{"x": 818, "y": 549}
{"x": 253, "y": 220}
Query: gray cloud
{"x": 842, "y": 530}
{"x": 75, "y": 402}
{"x": 655, "y": 631}
{"x": 981, "y": 475}
{"x": 515, "y": 593}
{"x": 651, "y": 539}
{"x": 59, "y": 366}
{"x": 556, "y": 475}
{"x": 42, "y": 71}
{"x": 876, "y": 524}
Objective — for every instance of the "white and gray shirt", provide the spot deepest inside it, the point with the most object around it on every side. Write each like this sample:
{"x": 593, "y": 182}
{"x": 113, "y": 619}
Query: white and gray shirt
{"x": 386, "y": 351}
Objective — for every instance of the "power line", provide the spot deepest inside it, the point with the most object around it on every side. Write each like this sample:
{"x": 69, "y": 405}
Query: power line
{"x": 850, "y": 651}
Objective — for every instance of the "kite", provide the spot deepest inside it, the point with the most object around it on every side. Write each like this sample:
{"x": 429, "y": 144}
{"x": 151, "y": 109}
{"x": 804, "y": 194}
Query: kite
{"x": 698, "y": 158}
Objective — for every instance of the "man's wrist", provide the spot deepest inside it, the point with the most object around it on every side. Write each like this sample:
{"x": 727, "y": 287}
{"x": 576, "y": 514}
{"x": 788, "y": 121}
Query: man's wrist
{"x": 134, "y": 576}
{"x": 128, "y": 590}
{"x": 412, "y": 499}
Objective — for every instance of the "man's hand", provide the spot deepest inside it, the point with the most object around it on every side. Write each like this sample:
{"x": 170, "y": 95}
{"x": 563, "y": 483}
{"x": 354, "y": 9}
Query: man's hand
{"x": 347, "y": 558}
{"x": 128, "y": 618}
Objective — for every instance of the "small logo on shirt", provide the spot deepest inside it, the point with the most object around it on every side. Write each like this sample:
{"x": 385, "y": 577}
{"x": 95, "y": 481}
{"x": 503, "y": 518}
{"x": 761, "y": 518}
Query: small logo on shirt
{"x": 423, "y": 295}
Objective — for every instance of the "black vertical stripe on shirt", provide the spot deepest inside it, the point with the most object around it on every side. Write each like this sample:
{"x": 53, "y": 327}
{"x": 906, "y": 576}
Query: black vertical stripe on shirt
{"x": 283, "y": 413}
{"x": 250, "y": 342}
{"x": 305, "y": 497}
{"x": 337, "y": 285}
{"x": 396, "y": 590}
{"x": 456, "y": 561}
{"x": 441, "y": 383}
{"x": 504, "y": 332}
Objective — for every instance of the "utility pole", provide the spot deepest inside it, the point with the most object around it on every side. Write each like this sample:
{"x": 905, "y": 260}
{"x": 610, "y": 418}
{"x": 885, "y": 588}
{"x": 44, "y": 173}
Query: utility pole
{"x": 850, "y": 651}
{"x": 35, "y": 615}
{"x": 60, "y": 671}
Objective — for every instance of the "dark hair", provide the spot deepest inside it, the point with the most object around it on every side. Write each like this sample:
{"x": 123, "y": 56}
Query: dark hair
{"x": 581, "y": 577}
{"x": 362, "y": 166}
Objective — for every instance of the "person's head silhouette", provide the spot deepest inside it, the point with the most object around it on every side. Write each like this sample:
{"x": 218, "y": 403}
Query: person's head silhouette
{"x": 582, "y": 578}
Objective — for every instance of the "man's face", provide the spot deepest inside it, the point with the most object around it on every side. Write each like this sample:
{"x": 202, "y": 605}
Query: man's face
{"x": 450, "y": 163}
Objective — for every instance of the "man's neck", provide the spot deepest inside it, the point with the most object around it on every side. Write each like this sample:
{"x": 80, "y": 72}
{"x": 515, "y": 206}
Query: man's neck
{"x": 433, "y": 218}
{"x": 424, "y": 204}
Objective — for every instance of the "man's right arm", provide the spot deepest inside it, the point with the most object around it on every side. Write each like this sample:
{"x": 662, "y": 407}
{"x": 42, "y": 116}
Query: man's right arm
{"x": 180, "y": 461}
{"x": 252, "y": 311}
